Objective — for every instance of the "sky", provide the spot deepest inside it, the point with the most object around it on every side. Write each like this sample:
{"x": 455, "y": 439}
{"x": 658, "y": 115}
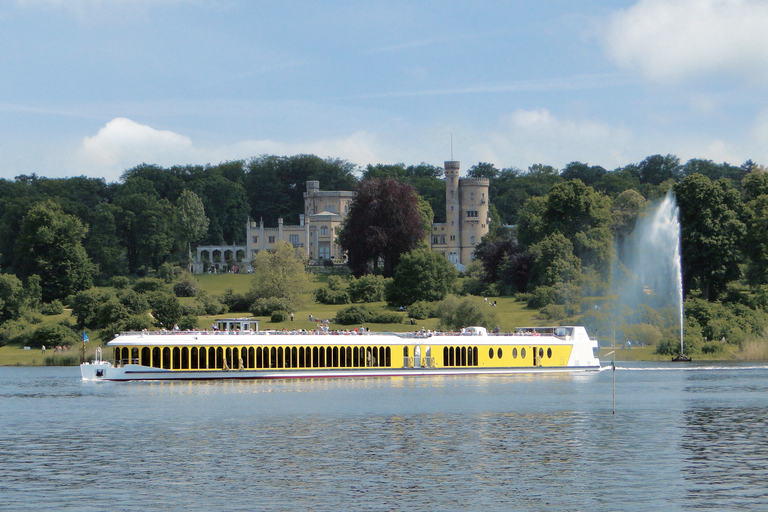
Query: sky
{"x": 96, "y": 87}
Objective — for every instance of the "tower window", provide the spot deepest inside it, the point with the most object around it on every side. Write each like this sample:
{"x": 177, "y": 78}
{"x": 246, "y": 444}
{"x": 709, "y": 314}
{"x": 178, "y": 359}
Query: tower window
{"x": 472, "y": 213}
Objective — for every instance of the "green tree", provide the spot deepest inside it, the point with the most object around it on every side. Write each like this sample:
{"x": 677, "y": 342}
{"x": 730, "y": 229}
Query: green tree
{"x": 455, "y": 313}
{"x": 422, "y": 274}
{"x": 192, "y": 221}
{"x": 383, "y": 222}
{"x": 11, "y": 297}
{"x": 711, "y": 234}
{"x": 280, "y": 274}
{"x": 50, "y": 245}
{"x": 165, "y": 308}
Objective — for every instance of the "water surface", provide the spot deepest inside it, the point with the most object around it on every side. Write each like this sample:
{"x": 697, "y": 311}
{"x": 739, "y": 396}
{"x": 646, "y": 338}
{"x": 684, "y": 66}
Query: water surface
{"x": 680, "y": 439}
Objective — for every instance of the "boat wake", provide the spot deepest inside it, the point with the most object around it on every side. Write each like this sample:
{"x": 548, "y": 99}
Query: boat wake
{"x": 712, "y": 368}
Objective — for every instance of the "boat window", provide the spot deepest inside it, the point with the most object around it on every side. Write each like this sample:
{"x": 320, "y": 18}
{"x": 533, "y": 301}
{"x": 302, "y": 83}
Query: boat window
{"x": 219, "y": 358}
{"x": 146, "y": 358}
{"x": 349, "y": 357}
{"x": 156, "y": 357}
{"x": 522, "y": 353}
{"x": 193, "y": 358}
{"x": 388, "y": 357}
{"x": 490, "y": 353}
{"x": 167, "y": 358}
{"x": 549, "y": 353}
{"x": 135, "y": 355}
{"x": 514, "y": 353}
{"x": 499, "y": 353}
{"x": 185, "y": 358}
{"x": 470, "y": 359}
{"x": 541, "y": 352}
{"x": 342, "y": 357}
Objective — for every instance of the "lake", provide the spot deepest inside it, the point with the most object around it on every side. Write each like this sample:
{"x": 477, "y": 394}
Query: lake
{"x": 682, "y": 437}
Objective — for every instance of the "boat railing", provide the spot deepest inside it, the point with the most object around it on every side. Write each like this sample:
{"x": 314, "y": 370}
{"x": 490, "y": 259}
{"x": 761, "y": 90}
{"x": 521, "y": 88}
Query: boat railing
{"x": 405, "y": 335}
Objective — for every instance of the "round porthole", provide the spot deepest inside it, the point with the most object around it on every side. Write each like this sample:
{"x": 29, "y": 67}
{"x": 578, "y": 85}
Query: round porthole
{"x": 498, "y": 353}
{"x": 522, "y": 353}
{"x": 549, "y": 353}
{"x": 541, "y": 352}
{"x": 490, "y": 353}
{"x": 514, "y": 353}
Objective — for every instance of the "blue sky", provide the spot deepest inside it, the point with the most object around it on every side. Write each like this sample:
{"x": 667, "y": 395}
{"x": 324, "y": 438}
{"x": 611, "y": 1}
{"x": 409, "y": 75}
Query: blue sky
{"x": 95, "y": 87}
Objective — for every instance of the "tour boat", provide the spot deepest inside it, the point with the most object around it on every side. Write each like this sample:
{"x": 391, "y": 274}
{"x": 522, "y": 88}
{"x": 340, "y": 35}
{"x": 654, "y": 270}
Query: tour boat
{"x": 237, "y": 349}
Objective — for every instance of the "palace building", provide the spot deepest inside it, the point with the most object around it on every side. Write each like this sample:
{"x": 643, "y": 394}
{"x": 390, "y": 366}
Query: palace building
{"x": 466, "y": 223}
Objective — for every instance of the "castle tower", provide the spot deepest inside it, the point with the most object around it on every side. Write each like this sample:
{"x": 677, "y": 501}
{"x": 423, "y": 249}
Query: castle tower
{"x": 452, "y": 212}
{"x": 473, "y": 194}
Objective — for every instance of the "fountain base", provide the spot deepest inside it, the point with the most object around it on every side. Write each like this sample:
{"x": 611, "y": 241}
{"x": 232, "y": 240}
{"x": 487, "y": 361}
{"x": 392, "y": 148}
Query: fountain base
{"x": 681, "y": 358}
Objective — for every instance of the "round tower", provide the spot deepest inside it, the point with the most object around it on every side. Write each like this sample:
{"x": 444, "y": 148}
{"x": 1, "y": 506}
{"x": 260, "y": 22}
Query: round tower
{"x": 473, "y": 193}
{"x": 452, "y": 212}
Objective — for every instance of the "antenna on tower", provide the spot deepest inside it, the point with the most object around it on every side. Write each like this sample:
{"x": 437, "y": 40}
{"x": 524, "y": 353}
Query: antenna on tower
{"x": 451, "y": 146}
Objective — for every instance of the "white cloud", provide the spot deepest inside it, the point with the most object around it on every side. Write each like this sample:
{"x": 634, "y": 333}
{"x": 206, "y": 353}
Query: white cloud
{"x": 122, "y": 144}
{"x": 526, "y": 137}
{"x": 670, "y": 40}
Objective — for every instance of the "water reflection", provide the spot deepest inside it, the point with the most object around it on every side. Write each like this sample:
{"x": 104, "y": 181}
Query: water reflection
{"x": 678, "y": 439}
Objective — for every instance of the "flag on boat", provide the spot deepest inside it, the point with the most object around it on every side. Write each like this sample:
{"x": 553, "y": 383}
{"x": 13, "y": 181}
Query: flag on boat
{"x": 85, "y": 337}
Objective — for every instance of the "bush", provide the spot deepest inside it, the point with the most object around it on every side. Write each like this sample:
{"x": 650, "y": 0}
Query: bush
{"x": 236, "y": 301}
{"x": 55, "y": 307}
{"x": 383, "y": 316}
{"x": 149, "y": 284}
{"x": 422, "y": 310}
{"x": 712, "y": 347}
{"x": 265, "y": 306}
{"x": 193, "y": 309}
{"x": 541, "y": 297}
{"x": 14, "y": 331}
{"x": 330, "y": 296}
{"x": 279, "y": 316}
{"x": 353, "y": 315}
{"x": 52, "y": 335}
{"x": 135, "y": 302}
{"x": 165, "y": 272}
{"x": 211, "y": 304}
{"x": 368, "y": 288}
{"x": 120, "y": 282}
{"x": 188, "y": 323}
{"x": 456, "y": 314}
{"x": 186, "y": 287}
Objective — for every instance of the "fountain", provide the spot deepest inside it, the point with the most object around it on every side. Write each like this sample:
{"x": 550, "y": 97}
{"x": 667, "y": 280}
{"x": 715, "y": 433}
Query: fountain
{"x": 653, "y": 257}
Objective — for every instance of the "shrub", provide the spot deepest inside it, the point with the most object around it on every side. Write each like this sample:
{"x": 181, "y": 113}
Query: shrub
{"x": 368, "y": 288}
{"x": 542, "y": 296}
{"x": 279, "y": 316}
{"x": 211, "y": 304}
{"x": 383, "y": 316}
{"x": 196, "y": 308}
{"x": 455, "y": 313}
{"x": 422, "y": 310}
{"x": 165, "y": 272}
{"x": 120, "y": 282}
{"x": 712, "y": 347}
{"x": 135, "y": 302}
{"x": 330, "y": 296}
{"x": 55, "y": 307}
{"x": 14, "y": 331}
{"x": 188, "y": 323}
{"x": 149, "y": 284}
{"x": 236, "y": 301}
{"x": 353, "y": 315}
{"x": 265, "y": 306}
{"x": 52, "y": 335}
{"x": 186, "y": 287}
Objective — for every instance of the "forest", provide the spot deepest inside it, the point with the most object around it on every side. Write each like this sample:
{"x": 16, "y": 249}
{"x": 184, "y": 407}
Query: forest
{"x": 556, "y": 240}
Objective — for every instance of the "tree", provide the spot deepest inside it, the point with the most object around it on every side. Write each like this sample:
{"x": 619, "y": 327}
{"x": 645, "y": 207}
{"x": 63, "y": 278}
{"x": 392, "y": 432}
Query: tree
{"x": 383, "y": 222}
{"x": 280, "y": 274}
{"x": 50, "y": 245}
{"x": 711, "y": 234}
{"x": 422, "y": 274}
{"x": 192, "y": 222}
{"x": 483, "y": 170}
{"x": 11, "y": 297}
{"x": 455, "y": 313}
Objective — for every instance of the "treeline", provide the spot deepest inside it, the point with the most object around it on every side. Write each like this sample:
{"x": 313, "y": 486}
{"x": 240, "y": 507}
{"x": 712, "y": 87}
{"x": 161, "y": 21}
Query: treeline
{"x": 61, "y": 236}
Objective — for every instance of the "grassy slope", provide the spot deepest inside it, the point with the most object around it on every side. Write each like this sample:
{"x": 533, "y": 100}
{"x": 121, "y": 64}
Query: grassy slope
{"x": 509, "y": 313}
